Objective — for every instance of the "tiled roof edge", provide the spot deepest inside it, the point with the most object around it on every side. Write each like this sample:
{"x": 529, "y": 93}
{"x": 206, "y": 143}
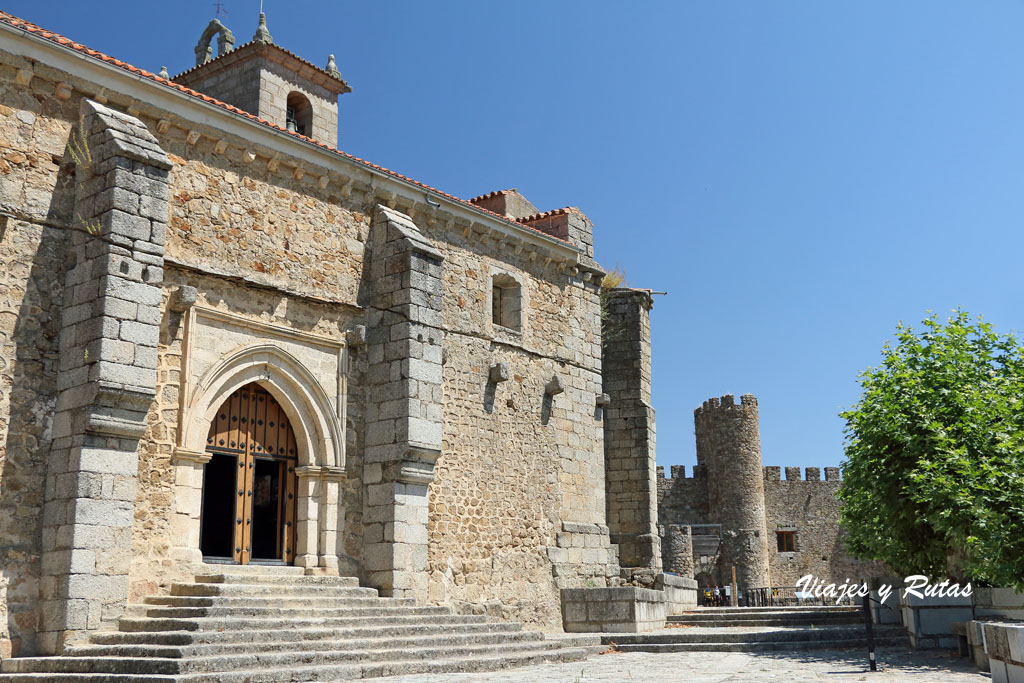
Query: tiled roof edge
{"x": 67, "y": 43}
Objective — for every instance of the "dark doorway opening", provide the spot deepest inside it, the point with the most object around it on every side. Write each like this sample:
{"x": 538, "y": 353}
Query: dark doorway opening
{"x": 249, "y": 483}
{"x": 216, "y": 535}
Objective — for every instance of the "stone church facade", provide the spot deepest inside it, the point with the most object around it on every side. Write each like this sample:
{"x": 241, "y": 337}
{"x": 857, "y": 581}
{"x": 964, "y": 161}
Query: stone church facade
{"x": 224, "y": 341}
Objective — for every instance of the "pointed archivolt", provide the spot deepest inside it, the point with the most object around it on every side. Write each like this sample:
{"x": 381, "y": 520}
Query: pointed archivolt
{"x": 308, "y": 407}
{"x": 225, "y": 41}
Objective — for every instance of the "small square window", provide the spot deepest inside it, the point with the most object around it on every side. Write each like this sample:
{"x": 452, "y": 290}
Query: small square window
{"x": 506, "y": 302}
{"x": 786, "y": 541}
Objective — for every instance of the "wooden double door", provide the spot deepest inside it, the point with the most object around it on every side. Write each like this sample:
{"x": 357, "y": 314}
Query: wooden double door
{"x": 248, "y": 512}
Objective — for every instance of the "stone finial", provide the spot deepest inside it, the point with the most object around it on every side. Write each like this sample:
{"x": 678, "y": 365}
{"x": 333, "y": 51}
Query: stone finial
{"x": 498, "y": 373}
{"x": 163, "y": 73}
{"x": 332, "y": 67}
{"x": 262, "y": 35}
{"x": 225, "y": 41}
{"x": 555, "y": 386}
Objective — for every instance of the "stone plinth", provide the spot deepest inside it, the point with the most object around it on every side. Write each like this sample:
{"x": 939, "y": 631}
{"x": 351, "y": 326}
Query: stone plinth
{"x": 680, "y": 593}
{"x": 626, "y": 609}
{"x": 1004, "y": 645}
{"x": 929, "y": 620}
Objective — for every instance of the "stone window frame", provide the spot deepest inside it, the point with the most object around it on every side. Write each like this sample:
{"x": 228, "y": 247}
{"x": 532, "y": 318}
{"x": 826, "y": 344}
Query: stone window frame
{"x": 507, "y": 314}
{"x": 784, "y": 531}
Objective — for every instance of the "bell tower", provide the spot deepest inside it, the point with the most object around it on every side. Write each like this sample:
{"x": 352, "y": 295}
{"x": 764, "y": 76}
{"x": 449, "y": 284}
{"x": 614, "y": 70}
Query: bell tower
{"x": 268, "y": 81}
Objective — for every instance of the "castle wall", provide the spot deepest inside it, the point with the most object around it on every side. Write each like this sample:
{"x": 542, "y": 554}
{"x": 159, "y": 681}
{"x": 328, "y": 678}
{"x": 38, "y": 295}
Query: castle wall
{"x": 809, "y": 506}
{"x": 682, "y": 500}
{"x": 34, "y": 126}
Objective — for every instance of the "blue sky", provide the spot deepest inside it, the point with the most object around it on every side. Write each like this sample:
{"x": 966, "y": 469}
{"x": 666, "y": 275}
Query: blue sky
{"x": 798, "y": 176}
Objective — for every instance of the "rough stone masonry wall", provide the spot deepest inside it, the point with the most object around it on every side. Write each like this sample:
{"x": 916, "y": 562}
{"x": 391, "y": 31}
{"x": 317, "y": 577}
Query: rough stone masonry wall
{"x": 516, "y": 507}
{"x": 630, "y": 470}
{"x": 36, "y": 186}
{"x": 810, "y": 507}
{"x": 729, "y": 447}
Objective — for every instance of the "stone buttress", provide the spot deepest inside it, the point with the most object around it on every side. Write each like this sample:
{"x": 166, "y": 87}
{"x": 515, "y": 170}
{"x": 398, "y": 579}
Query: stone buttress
{"x": 403, "y": 415}
{"x": 631, "y": 488}
{"x": 107, "y": 376}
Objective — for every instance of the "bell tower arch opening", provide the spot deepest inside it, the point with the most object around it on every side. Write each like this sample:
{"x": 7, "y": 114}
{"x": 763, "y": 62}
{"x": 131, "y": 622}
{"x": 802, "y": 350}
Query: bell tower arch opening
{"x": 299, "y": 114}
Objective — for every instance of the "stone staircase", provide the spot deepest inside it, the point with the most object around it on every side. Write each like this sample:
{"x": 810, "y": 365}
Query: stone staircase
{"x": 757, "y": 629}
{"x": 260, "y": 624}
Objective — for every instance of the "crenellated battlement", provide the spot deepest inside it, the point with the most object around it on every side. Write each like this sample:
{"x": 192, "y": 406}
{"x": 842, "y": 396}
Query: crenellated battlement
{"x": 774, "y": 473}
{"x": 679, "y": 472}
{"x": 727, "y": 403}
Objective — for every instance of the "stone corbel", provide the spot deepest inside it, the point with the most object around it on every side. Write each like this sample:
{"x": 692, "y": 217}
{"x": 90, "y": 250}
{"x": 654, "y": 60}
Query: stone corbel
{"x": 108, "y": 423}
{"x": 498, "y": 373}
{"x": 417, "y": 467}
{"x": 356, "y": 337}
{"x": 554, "y": 386}
{"x": 603, "y": 400}
{"x": 184, "y": 298}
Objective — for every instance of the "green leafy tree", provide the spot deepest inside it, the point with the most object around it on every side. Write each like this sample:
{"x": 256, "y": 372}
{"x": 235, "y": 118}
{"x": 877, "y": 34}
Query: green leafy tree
{"x": 934, "y": 478}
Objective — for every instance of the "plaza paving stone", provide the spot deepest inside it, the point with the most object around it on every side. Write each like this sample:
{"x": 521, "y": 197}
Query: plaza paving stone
{"x": 731, "y": 667}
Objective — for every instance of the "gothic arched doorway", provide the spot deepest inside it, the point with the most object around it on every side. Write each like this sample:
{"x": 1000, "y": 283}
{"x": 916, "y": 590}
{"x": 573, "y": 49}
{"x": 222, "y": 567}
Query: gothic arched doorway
{"x": 248, "y": 512}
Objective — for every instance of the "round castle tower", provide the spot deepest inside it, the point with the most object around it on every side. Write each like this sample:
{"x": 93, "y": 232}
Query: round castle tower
{"x": 729, "y": 449}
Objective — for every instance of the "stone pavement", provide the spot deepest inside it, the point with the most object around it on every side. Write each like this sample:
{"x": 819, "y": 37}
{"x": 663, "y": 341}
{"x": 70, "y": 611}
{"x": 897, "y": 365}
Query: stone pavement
{"x": 731, "y": 667}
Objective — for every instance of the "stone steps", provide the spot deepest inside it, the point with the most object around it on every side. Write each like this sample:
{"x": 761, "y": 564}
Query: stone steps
{"x": 253, "y": 590}
{"x": 807, "y": 620}
{"x": 725, "y": 635}
{"x": 768, "y": 616}
{"x": 758, "y": 646}
{"x": 279, "y": 579}
{"x": 353, "y": 607}
{"x": 218, "y": 624}
{"x": 395, "y": 667}
{"x": 255, "y": 660}
{"x": 759, "y": 629}
{"x": 243, "y": 636}
{"x": 277, "y": 624}
{"x": 231, "y": 601}
{"x": 335, "y": 644}
{"x": 713, "y": 612}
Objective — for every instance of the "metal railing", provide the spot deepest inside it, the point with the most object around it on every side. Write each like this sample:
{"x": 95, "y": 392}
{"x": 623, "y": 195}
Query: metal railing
{"x": 784, "y": 596}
